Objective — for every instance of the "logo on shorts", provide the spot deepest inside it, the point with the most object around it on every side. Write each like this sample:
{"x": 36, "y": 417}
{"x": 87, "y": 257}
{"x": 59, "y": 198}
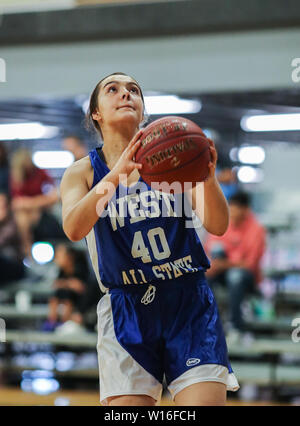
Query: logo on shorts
{"x": 192, "y": 361}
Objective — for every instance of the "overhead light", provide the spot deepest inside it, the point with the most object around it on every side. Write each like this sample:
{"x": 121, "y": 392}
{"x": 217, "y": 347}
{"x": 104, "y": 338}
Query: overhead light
{"x": 251, "y": 155}
{"x": 53, "y": 159}
{"x": 207, "y": 133}
{"x": 42, "y": 252}
{"x": 248, "y": 174}
{"x": 271, "y": 123}
{"x": 171, "y": 104}
{"x": 233, "y": 154}
{"x": 211, "y": 134}
{"x": 26, "y": 131}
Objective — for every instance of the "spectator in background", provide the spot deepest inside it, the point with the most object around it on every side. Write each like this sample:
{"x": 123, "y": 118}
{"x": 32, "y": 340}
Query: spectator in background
{"x": 70, "y": 288}
{"x": 236, "y": 256}
{"x": 228, "y": 181}
{"x": 75, "y": 145}
{"x": 4, "y": 170}
{"x": 11, "y": 256}
{"x": 33, "y": 191}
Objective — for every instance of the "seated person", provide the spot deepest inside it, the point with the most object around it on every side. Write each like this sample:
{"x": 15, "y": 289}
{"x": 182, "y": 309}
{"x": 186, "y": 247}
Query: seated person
{"x": 75, "y": 145}
{"x": 33, "y": 192}
{"x": 236, "y": 256}
{"x": 11, "y": 255}
{"x": 70, "y": 287}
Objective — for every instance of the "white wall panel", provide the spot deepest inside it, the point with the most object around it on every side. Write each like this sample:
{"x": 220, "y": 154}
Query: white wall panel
{"x": 200, "y": 63}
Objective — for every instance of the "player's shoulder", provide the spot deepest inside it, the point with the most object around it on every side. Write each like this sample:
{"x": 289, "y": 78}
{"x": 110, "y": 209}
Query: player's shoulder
{"x": 81, "y": 169}
{"x": 80, "y": 165}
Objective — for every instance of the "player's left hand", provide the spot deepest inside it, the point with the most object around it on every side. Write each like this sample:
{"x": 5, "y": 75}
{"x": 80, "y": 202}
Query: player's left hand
{"x": 213, "y": 163}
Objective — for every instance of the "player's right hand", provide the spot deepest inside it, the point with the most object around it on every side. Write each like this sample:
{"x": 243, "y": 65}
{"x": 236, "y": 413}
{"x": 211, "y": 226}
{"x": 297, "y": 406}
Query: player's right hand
{"x": 126, "y": 164}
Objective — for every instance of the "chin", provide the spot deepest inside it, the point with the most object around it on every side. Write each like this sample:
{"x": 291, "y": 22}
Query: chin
{"x": 127, "y": 113}
{"x": 128, "y": 118}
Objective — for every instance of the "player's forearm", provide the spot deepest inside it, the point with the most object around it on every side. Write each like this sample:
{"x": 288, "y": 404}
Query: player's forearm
{"x": 80, "y": 219}
{"x": 216, "y": 212}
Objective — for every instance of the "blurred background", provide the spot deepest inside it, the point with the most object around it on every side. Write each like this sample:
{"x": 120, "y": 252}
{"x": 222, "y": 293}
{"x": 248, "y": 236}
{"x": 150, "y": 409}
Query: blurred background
{"x": 232, "y": 68}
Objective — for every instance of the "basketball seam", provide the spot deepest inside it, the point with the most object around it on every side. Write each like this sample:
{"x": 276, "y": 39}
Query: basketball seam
{"x": 183, "y": 165}
{"x": 169, "y": 138}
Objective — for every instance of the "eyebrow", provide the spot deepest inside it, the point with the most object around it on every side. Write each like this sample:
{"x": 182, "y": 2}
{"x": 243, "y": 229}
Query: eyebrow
{"x": 117, "y": 82}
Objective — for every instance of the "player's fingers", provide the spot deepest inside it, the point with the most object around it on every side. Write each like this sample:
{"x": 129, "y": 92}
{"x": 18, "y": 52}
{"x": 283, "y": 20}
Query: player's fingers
{"x": 135, "y": 165}
{"x": 136, "y": 145}
{"x": 211, "y": 168}
{"x": 133, "y": 149}
{"x": 211, "y": 142}
{"x": 135, "y": 138}
{"x": 214, "y": 155}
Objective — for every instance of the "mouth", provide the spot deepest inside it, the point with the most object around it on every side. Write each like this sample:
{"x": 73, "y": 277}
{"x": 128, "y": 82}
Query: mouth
{"x": 127, "y": 106}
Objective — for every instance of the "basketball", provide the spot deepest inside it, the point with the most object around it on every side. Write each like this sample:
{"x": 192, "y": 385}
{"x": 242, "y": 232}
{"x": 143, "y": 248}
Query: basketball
{"x": 173, "y": 149}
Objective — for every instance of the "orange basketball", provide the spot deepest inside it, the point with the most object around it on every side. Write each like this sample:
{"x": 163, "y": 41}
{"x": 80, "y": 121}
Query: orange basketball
{"x": 173, "y": 149}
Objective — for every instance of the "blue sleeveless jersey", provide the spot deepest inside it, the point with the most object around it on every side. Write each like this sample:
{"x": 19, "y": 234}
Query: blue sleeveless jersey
{"x": 143, "y": 236}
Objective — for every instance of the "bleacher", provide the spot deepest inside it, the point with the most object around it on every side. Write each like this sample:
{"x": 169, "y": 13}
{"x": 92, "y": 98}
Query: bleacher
{"x": 266, "y": 358}
{"x": 269, "y": 358}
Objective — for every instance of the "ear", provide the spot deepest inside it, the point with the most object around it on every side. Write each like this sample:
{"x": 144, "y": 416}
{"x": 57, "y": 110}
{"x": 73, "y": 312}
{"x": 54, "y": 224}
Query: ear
{"x": 96, "y": 116}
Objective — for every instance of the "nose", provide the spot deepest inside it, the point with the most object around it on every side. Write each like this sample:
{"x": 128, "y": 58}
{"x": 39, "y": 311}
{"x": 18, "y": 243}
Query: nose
{"x": 126, "y": 93}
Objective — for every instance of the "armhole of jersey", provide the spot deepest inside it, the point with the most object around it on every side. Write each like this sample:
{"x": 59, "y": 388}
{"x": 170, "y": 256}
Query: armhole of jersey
{"x": 92, "y": 160}
{"x": 93, "y": 251}
{"x": 100, "y": 154}
{"x": 98, "y": 163}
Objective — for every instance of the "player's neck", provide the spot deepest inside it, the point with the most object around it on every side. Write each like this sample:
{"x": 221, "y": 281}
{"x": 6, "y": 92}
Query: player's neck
{"x": 115, "y": 143}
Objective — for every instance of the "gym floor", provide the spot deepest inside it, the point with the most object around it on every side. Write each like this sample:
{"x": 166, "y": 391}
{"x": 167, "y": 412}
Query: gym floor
{"x": 16, "y": 397}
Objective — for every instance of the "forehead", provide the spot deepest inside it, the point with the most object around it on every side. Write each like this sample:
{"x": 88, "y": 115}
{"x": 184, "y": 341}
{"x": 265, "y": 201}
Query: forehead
{"x": 123, "y": 79}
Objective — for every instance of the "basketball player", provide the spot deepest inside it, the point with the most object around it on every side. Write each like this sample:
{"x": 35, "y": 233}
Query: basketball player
{"x": 158, "y": 316}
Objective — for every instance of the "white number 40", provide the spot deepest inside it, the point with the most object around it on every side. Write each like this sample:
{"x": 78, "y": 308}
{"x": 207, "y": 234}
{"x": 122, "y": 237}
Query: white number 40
{"x": 139, "y": 248}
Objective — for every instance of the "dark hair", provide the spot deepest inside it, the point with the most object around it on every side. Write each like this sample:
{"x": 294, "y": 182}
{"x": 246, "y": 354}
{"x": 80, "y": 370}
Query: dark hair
{"x": 78, "y": 256}
{"x": 89, "y": 121}
{"x": 241, "y": 199}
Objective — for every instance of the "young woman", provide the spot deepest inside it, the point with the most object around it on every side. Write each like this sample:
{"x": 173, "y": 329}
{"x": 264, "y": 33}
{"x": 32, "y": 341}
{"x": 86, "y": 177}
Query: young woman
{"x": 158, "y": 316}
{"x": 33, "y": 192}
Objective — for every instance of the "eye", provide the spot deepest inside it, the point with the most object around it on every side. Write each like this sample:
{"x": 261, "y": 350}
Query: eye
{"x": 134, "y": 89}
{"x": 112, "y": 88}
